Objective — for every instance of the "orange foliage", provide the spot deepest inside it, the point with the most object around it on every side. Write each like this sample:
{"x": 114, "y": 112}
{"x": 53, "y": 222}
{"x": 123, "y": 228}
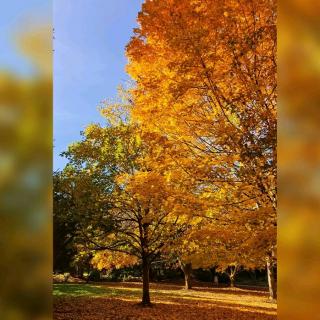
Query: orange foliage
{"x": 205, "y": 75}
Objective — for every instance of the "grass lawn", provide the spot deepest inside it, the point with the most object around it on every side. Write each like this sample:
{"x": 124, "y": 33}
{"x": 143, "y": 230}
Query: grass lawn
{"x": 120, "y": 301}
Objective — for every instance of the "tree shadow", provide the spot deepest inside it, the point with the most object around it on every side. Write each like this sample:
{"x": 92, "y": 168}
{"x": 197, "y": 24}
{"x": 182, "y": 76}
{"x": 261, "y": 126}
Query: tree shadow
{"x": 236, "y": 290}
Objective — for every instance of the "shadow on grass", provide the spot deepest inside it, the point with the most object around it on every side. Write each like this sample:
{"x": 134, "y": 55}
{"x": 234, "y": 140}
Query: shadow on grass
{"x": 235, "y": 291}
{"x": 134, "y": 290}
{"x": 192, "y": 297}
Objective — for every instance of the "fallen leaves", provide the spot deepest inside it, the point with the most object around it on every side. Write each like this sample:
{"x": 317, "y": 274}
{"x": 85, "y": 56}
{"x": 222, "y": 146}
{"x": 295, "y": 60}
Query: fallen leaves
{"x": 120, "y": 301}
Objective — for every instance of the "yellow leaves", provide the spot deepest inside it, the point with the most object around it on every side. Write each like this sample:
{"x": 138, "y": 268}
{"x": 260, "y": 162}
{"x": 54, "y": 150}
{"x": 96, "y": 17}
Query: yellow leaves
{"x": 122, "y": 179}
{"x": 112, "y": 260}
{"x": 188, "y": 145}
{"x": 143, "y": 183}
{"x": 117, "y": 112}
{"x": 168, "y": 176}
{"x": 93, "y": 131}
{"x": 138, "y": 140}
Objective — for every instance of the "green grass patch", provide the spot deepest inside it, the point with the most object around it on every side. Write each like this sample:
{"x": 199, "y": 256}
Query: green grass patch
{"x": 86, "y": 290}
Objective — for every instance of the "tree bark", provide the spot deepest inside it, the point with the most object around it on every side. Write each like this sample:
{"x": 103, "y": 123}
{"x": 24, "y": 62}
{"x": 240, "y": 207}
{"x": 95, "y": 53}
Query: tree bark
{"x": 271, "y": 280}
{"x": 232, "y": 274}
{"x": 187, "y": 268}
{"x": 215, "y": 278}
{"x": 231, "y": 281}
{"x": 145, "y": 282}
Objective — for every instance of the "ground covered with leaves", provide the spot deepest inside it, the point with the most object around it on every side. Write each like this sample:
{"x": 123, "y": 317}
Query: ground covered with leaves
{"x": 120, "y": 301}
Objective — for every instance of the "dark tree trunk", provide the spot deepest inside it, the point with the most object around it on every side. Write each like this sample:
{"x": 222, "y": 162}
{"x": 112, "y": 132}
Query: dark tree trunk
{"x": 271, "y": 280}
{"x": 146, "y": 282}
{"x": 79, "y": 272}
{"x": 215, "y": 278}
{"x": 187, "y": 268}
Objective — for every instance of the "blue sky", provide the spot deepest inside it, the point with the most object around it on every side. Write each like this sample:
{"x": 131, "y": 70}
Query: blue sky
{"x": 89, "y": 62}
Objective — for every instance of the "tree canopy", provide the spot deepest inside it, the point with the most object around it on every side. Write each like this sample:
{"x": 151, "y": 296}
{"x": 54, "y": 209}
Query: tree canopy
{"x": 185, "y": 164}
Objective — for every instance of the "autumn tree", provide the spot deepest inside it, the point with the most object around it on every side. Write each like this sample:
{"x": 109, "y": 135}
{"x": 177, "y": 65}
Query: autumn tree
{"x": 77, "y": 204}
{"x": 144, "y": 206}
{"x": 63, "y": 227}
{"x": 205, "y": 74}
{"x": 195, "y": 248}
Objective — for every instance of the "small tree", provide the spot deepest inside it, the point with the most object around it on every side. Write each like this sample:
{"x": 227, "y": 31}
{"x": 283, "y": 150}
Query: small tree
{"x": 141, "y": 206}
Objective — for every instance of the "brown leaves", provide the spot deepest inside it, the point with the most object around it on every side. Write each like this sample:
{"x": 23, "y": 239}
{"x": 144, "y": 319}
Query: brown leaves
{"x": 112, "y": 259}
{"x": 170, "y": 303}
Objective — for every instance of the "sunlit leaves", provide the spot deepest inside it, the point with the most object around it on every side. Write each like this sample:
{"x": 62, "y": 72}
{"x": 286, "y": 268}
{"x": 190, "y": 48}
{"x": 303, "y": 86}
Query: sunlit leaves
{"x": 205, "y": 77}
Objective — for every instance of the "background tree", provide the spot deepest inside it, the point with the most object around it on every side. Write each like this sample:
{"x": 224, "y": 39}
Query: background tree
{"x": 63, "y": 226}
{"x": 142, "y": 204}
{"x": 77, "y": 204}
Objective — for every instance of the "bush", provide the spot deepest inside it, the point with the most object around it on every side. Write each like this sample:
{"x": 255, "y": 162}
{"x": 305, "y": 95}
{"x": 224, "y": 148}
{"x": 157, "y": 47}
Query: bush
{"x": 94, "y": 275}
{"x": 203, "y": 275}
{"x": 170, "y": 274}
{"x": 58, "y": 278}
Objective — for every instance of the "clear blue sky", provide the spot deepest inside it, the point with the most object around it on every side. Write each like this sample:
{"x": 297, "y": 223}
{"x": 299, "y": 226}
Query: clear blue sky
{"x": 89, "y": 62}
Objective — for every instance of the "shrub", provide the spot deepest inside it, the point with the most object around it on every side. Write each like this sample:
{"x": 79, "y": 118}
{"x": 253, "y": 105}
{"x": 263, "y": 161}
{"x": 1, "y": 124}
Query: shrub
{"x": 94, "y": 275}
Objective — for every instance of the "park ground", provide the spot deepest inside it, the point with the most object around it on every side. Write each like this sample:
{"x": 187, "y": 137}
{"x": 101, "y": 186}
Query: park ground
{"x": 120, "y": 300}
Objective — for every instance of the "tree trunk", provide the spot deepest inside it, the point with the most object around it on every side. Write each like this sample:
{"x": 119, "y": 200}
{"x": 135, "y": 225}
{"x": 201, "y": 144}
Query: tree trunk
{"x": 216, "y": 280}
{"x": 232, "y": 272}
{"x": 232, "y": 281}
{"x": 79, "y": 272}
{"x": 187, "y": 268}
{"x": 145, "y": 285}
{"x": 271, "y": 280}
